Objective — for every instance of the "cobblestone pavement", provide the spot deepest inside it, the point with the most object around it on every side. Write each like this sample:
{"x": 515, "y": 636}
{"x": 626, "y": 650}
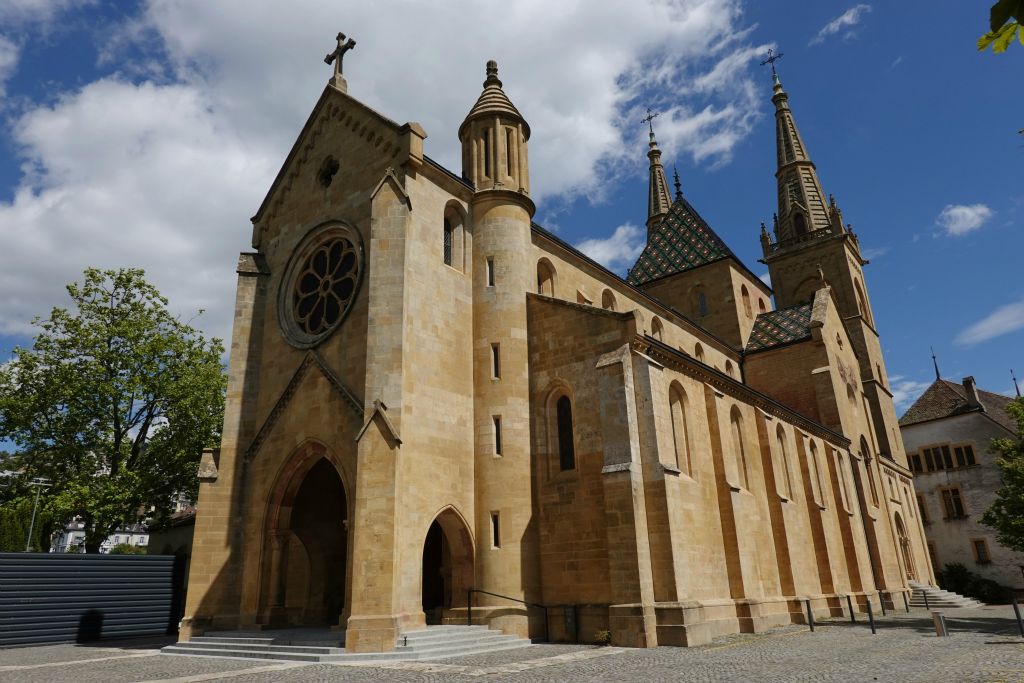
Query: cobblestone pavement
{"x": 985, "y": 647}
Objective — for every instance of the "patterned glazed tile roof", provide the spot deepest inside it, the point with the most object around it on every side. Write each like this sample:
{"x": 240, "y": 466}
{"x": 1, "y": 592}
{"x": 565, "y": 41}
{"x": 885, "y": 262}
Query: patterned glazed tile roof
{"x": 946, "y": 399}
{"x": 776, "y": 328}
{"x": 683, "y": 240}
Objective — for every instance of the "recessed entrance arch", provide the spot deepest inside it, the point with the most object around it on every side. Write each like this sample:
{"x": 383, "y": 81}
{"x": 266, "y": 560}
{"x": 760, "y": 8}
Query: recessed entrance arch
{"x": 305, "y": 556}
{"x": 447, "y": 565}
{"x": 904, "y": 542}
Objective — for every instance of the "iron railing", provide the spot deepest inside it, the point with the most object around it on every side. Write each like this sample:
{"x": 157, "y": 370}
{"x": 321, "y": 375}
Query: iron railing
{"x": 469, "y": 607}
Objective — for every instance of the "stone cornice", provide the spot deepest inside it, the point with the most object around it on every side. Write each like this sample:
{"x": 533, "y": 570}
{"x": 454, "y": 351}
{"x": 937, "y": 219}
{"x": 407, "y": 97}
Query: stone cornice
{"x": 670, "y": 357}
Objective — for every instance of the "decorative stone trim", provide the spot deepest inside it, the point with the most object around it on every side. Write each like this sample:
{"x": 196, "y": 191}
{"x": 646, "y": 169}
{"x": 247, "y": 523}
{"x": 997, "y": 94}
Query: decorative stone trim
{"x": 616, "y": 467}
{"x": 311, "y": 358}
{"x": 720, "y": 382}
{"x": 207, "y": 471}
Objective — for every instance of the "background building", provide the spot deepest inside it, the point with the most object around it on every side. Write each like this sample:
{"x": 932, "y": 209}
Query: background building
{"x": 947, "y": 433}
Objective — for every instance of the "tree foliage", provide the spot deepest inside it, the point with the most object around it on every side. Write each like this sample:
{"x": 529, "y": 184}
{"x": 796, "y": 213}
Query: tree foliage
{"x": 1005, "y": 21}
{"x": 1006, "y": 515}
{"x": 114, "y": 404}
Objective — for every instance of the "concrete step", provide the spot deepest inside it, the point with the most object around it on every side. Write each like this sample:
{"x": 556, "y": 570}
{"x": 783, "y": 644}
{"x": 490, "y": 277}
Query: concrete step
{"x": 435, "y": 642}
{"x": 298, "y": 649}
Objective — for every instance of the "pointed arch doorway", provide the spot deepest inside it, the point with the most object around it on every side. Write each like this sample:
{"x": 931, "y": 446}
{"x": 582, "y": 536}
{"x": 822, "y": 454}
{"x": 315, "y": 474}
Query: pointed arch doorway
{"x": 307, "y": 552}
{"x": 447, "y": 566}
{"x": 904, "y": 542}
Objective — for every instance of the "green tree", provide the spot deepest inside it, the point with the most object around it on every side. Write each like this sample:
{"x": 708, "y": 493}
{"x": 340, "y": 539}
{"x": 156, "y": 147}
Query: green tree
{"x": 1005, "y": 19}
{"x": 1006, "y": 515}
{"x": 114, "y": 403}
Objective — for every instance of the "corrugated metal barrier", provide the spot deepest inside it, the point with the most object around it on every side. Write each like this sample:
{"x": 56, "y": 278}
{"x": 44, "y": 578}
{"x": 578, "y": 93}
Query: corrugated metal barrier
{"x": 53, "y": 598}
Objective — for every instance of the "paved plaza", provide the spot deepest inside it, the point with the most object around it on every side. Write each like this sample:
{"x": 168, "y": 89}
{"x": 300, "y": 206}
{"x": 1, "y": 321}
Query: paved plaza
{"x": 984, "y": 645}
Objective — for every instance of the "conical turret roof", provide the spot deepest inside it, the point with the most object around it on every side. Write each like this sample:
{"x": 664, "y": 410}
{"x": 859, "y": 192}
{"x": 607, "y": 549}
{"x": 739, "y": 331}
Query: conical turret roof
{"x": 493, "y": 100}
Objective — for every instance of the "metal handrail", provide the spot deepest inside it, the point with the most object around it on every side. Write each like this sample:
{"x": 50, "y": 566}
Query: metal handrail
{"x": 469, "y": 607}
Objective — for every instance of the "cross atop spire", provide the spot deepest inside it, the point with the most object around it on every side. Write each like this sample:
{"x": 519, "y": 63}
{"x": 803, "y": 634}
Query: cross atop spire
{"x": 1015, "y": 387}
{"x": 935, "y": 362}
{"x": 679, "y": 189}
{"x": 649, "y": 120}
{"x": 772, "y": 58}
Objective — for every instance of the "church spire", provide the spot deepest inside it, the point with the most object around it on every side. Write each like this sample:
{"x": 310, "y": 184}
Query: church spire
{"x": 658, "y": 198}
{"x": 802, "y": 207}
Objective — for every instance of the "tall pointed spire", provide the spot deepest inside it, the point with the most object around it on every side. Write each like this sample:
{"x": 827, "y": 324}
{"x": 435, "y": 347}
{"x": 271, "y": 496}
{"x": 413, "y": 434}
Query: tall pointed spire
{"x": 658, "y": 198}
{"x": 802, "y": 206}
{"x": 935, "y": 362}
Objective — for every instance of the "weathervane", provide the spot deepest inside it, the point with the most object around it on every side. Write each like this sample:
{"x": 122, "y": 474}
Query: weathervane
{"x": 935, "y": 362}
{"x": 336, "y": 56}
{"x": 772, "y": 58}
{"x": 651, "y": 115}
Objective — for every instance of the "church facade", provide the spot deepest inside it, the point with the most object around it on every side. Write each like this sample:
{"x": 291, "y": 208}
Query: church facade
{"x": 429, "y": 393}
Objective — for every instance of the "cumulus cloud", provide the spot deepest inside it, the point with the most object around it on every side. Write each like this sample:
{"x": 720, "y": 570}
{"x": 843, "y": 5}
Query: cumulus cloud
{"x": 905, "y": 391}
{"x": 1003, "y": 320}
{"x": 766, "y": 278}
{"x": 617, "y": 251}
{"x": 844, "y": 22}
{"x": 161, "y": 163}
{"x": 8, "y": 61}
{"x": 960, "y": 219}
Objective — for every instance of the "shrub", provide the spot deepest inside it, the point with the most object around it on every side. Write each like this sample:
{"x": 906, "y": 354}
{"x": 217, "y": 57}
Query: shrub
{"x": 957, "y": 578}
{"x": 127, "y": 549}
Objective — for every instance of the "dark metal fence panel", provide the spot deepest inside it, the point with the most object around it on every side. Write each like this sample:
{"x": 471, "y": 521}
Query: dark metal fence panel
{"x": 53, "y": 598}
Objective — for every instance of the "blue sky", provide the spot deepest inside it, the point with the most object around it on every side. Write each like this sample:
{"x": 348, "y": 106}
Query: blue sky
{"x": 145, "y": 134}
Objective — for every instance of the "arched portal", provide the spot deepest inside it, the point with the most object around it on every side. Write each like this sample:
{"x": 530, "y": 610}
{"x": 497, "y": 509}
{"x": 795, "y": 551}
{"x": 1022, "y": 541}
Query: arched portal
{"x": 307, "y": 548}
{"x": 447, "y": 565}
{"x": 904, "y": 543}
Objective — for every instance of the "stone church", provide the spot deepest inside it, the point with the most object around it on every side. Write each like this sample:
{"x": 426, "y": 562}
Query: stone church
{"x": 430, "y": 393}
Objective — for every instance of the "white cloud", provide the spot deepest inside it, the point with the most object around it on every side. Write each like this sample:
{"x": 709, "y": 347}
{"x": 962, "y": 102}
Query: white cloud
{"x": 1003, "y": 320}
{"x": 617, "y": 251}
{"x": 25, "y": 11}
{"x": 845, "y": 21}
{"x": 872, "y": 253}
{"x": 905, "y": 391}
{"x": 8, "y": 62}
{"x": 766, "y": 278}
{"x": 163, "y": 171}
{"x": 960, "y": 219}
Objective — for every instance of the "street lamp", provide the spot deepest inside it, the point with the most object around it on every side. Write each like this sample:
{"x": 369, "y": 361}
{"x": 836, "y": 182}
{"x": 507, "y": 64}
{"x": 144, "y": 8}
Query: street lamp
{"x": 40, "y": 483}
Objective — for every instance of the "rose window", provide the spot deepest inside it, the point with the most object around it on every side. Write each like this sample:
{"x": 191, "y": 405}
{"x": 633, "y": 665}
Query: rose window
{"x": 324, "y": 279}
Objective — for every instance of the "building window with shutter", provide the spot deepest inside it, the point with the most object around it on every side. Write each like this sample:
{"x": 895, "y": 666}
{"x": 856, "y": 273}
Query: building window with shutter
{"x": 952, "y": 503}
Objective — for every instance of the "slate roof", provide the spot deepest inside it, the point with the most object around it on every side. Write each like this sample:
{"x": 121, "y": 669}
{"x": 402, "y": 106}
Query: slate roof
{"x": 781, "y": 327}
{"x": 946, "y": 399}
{"x": 683, "y": 240}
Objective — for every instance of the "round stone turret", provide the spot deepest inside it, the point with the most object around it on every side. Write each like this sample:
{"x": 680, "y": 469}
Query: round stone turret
{"x": 494, "y": 136}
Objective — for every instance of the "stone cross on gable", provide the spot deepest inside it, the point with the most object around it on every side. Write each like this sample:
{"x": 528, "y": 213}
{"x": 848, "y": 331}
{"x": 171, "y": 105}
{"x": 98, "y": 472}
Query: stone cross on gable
{"x": 344, "y": 45}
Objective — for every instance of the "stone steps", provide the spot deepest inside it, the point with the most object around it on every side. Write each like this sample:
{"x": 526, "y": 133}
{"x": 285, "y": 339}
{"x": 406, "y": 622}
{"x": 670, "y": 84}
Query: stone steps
{"x": 938, "y": 598}
{"x": 435, "y": 642}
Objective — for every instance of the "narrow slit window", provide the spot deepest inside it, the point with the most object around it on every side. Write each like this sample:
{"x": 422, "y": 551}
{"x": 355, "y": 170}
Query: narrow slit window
{"x": 495, "y": 530}
{"x": 487, "y": 154}
{"x": 497, "y": 435}
{"x": 490, "y": 271}
{"x": 495, "y": 361}
{"x": 449, "y": 241}
{"x": 508, "y": 152}
{"x": 566, "y": 446}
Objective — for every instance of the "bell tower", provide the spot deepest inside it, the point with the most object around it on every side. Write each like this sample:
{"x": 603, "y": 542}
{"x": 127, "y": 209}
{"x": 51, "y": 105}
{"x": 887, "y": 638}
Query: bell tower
{"x": 808, "y": 242}
{"x": 494, "y": 136}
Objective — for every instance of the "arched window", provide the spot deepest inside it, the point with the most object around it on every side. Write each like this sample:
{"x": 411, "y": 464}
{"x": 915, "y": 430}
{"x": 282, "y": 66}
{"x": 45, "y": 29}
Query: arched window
{"x": 861, "y": 305}
{"x": 608, "y": 300}
{"x": 841, "y": 471}
{"x": 728, "y": 367}
{"x": 545, "y": 278}
{"x": 815, "y": 472}
{"x": 453, "y": 237}
{"x": 449, "y": 239}
{"x": 700, "y": 302}
{"x": 680, "y": 430}
{"x": 866, "y": 457}
{"x": 782, "y": 479}
{"x": 566, "y": 446}
{"x": 800, "y": 224}
{"x": 745, "y": 295}
{"x": 739, "y": 447}
{"x": 657, "y": 329}
{"x": 761, "y": 307}
{"x": 698, "y": 352}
